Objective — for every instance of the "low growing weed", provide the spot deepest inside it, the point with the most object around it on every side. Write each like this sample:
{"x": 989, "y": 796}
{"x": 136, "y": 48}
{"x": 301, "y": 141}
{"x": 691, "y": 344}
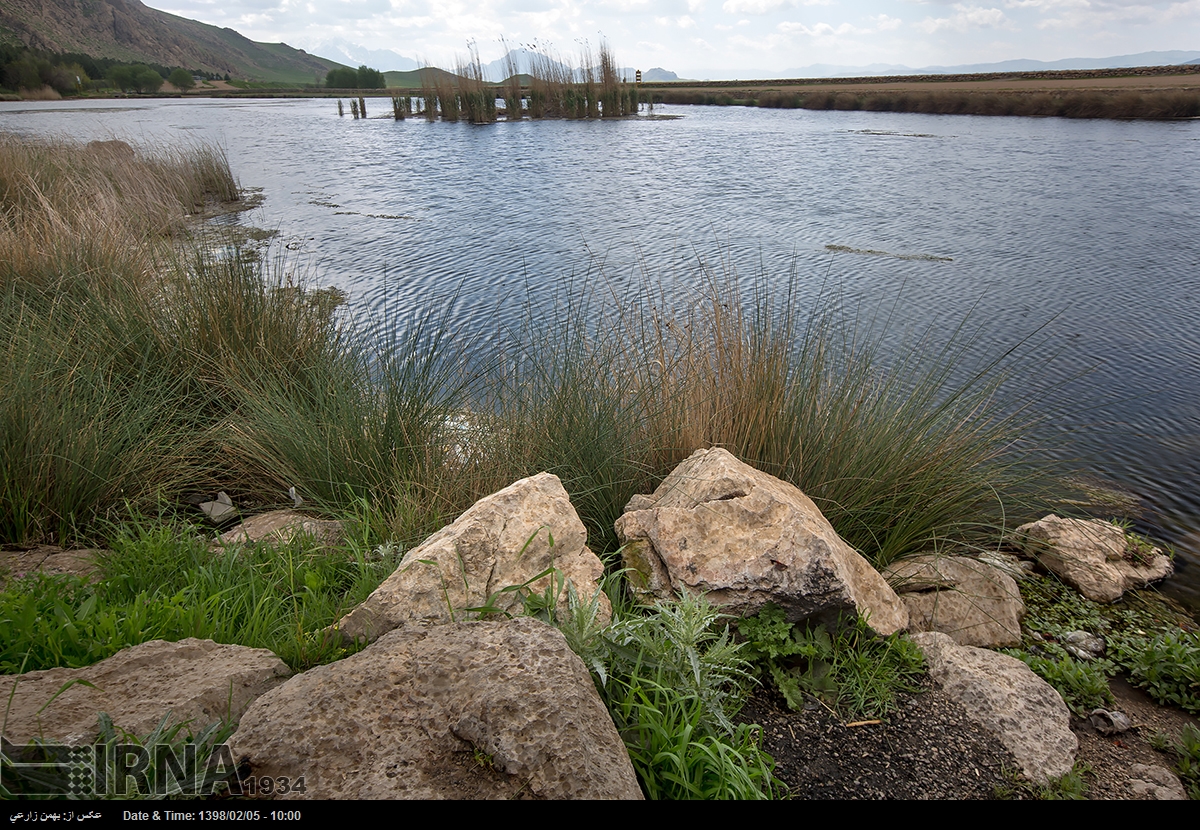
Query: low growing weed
{"x": 1167, "y": 666}
{"x": 1083, "y": 686}
{"x": 1071, "y": 787}
{"x": 851, "y": 670}
{"x": 673, "y": 680}
{"x": 1146, "y": 638}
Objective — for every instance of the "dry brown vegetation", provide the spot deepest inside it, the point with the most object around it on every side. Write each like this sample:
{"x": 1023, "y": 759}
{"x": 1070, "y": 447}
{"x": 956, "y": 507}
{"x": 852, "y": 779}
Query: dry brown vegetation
{"x": 1083, "y": 95}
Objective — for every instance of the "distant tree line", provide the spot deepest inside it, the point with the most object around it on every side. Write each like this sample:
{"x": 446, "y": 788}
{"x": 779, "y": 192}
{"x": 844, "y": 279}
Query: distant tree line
{"x": 70, "y": 73}
{"x": 362, "y": 78}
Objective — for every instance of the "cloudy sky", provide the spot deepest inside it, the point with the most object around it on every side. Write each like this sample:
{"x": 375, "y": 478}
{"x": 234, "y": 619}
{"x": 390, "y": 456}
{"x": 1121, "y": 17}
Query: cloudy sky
{"x": 724, "y": 38}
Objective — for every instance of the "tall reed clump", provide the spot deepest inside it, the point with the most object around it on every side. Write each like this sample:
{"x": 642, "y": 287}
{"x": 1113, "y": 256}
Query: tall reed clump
{"x": 900, "y": 453}
{"x": 89, "y": 406}
{"x": 476, "y": 95}
{"x": 401, "y": 107}
{"x": 447, "y": 97}
{"x": 615, "y": 99}
{"x": 550, "y": 80}
{"x": 512, "y": 85}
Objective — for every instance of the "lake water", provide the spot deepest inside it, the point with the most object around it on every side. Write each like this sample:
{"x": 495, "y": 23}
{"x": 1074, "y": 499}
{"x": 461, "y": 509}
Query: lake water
{"x": 1083, "y": 234}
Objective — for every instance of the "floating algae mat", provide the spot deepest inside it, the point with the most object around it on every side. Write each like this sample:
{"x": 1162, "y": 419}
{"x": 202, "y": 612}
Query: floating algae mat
{"x": 845, "y": 249}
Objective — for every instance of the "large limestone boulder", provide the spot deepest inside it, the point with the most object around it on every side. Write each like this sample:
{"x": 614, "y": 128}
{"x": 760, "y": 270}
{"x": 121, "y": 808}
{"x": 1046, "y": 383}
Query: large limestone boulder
{"x": 1005, "y": 697}
{"x": 972, "y": 601}
{"x": 1098, "y": 558}
{"x": 744, "y": 538}
{"x": 502, "y": 541}
{"x": 495, "y": 709}
{"x": 280, "y": 527}
{"x": 197, "y": 680}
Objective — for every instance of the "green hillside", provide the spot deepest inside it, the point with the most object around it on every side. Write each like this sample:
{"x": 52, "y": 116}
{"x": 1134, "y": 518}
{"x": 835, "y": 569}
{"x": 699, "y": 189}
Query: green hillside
{"x": 128, "y": 31}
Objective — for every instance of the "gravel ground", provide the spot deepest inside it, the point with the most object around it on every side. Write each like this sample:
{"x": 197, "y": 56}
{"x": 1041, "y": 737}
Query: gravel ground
{"x": 927, "y": 749}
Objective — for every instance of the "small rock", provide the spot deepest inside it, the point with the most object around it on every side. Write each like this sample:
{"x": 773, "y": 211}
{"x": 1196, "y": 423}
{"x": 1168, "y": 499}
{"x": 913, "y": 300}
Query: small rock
{"x": 502, "y": 541}
{"x": 477, "y": 710}
{"x": 1093, "y": 555}
{"x": 972, "y": 601}
{"x": 1109, "y": 723}
{"x": 1155, "y": 784}
{"x": 281, "y": 527}
{"x": 1005, "y": 697}
{"x": 1083, "y": 645}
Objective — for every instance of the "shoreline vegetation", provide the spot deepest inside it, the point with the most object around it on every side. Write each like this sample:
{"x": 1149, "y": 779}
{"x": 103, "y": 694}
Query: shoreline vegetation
{"x": 1164, "y": 92}
{"x": 176, "y": 372}
{"x": 142, "y": 372}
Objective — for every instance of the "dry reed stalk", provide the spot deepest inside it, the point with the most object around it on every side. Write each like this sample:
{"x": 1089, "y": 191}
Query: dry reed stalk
{"x": 476, "y": 95}
{"x": 512, "y": 85}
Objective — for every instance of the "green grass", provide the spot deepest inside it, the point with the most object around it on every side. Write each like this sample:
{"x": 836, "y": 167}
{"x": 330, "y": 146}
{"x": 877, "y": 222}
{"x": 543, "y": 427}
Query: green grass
{"x": 851, "y": 670}
{"x": 673, "y": 680}
{"x": 162, "y": 581}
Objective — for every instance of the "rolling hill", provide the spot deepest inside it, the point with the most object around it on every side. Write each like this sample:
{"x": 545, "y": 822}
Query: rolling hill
{"x": 128, "y": 31}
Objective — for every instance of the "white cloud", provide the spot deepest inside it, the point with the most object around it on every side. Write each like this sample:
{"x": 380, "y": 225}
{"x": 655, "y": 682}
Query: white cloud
{"x": 685, "y": 22}
{"x": 966, "y": 18}
{"x": 820, "y": 30}
{"x": 752, "y": 6}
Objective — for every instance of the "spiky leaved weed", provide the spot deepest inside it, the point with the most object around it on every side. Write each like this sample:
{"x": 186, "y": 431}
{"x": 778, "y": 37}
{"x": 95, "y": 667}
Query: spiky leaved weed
{"x": 673, "y": 680}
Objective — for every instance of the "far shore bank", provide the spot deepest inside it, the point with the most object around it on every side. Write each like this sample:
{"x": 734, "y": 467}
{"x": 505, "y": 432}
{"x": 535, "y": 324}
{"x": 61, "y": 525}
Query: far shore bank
{"x": 1156, "y": 92}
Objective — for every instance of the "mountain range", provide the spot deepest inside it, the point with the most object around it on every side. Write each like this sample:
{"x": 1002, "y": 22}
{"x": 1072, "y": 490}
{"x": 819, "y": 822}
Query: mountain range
{"x": 824, "y": 70}
{"x": 128, "y": 31}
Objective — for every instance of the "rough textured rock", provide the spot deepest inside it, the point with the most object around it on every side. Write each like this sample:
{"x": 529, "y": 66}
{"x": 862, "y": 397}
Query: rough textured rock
{"x": 281, "y": 526}
{"x": 196, "y": 680}
{"x": 49, "y": 559}
{"x": 745, "y": 538}
{"x": 1004, "y": 696}
{"x": 973, "y": 602}
{"x": 502, "y": 541}
{"x": 1094, "y": 556}
{"x": 463, "y": 710}
{"x": 1155, "y": 784}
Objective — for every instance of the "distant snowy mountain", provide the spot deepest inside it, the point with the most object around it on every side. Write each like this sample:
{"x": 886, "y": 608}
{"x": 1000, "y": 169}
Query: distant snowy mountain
{"x": 821, "y": 70}
{"x": 351, "y": 54}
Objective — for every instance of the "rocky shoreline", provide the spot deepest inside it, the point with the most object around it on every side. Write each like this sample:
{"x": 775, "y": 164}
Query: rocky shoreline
{"x": 457, "y": 695}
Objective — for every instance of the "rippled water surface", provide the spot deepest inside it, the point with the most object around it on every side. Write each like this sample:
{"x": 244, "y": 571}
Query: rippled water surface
{"x": 1082, "y": 234}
